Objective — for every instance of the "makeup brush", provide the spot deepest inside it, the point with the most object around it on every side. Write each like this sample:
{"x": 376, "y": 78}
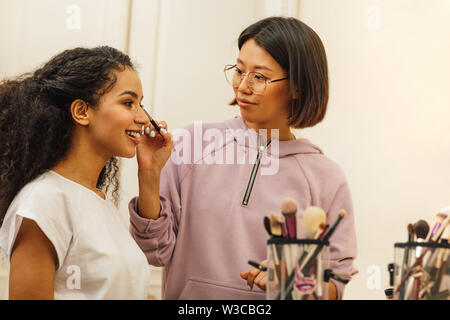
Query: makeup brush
{"x": 276, "y": 225}
{"x": 313, "y": 217}
{"x": 257, "y": 265}
{"x": 267, "y": 225}
{"x": 440, "y": 217}
{"x": 153, "y": 122}
{"x": 441, "y": 229}
{"x": 289, "y": 210}
{"x": 326, "y": 237}
{"x": 312, "y": 256}
{"x": 410, "y": 229}
{"x": 441, "y": 262}
{"x": 421, "y": 229}
{"x": 275, "y": 251}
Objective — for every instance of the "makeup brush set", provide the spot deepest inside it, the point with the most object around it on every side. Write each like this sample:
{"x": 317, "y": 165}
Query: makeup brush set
{"x": 298, "y": 269}
{"x": 421, "y": 270}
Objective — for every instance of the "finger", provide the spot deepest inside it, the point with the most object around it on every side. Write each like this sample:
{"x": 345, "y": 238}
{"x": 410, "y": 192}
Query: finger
{"x": 260, "y": 280}
{"x": 147, "y": 129}
{"x": 252, "y": 274}
{"x": 262, "y": 283}
{"x": 244, "y": 275}
{"x": 162, "y": 124}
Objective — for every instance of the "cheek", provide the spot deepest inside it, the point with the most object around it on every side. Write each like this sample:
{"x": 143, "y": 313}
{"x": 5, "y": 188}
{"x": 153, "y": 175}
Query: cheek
{"x": 277, "y": 100}
{"x": 113, "y": 123}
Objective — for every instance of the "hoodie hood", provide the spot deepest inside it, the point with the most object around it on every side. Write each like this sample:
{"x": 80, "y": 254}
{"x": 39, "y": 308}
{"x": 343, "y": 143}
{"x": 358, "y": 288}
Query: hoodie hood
{"x": 239, "y": 130}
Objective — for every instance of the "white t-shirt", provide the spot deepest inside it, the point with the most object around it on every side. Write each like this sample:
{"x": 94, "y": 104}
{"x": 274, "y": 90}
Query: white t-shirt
{"x": 97, "y": 256}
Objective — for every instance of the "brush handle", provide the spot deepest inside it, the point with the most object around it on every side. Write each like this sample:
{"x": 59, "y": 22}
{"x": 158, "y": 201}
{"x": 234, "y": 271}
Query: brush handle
{"x": 153, "y": 122}
{"x": 291, "y": 226}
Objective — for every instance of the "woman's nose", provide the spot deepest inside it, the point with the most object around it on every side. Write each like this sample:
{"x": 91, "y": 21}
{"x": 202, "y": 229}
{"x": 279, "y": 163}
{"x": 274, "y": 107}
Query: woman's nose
{"x": 244, "y": 85}
{"x": 141, "y": 117}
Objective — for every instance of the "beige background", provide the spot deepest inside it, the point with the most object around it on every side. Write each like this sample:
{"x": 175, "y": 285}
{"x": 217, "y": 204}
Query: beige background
{"x": 387, "y": 123}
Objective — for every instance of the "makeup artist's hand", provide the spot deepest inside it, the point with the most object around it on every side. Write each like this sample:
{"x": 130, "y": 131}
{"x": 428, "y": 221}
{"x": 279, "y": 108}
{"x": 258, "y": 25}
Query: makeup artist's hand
{"x": 154, "y": 149}
{"x": 255, "y": 276}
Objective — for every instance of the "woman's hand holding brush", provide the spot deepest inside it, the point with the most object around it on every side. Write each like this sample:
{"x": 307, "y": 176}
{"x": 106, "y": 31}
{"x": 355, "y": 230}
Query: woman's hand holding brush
{"x": 153, "y": 151}
{"x": 256, "y": 275}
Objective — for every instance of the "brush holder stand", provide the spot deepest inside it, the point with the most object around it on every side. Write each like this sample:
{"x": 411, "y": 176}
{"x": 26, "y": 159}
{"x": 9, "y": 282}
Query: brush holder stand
{"x": 296, "y": 269}
{"x": 421, "y": 271}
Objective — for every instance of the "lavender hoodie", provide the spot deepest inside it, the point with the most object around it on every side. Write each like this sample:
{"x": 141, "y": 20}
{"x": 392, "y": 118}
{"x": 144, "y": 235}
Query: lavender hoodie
{"x": 211, "y": 220}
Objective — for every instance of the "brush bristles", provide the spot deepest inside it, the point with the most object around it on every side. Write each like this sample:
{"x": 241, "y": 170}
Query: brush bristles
{"x": 440, "y": 217}
{"x": 313, "y": 217}
{"x": 275, "y": 225}
{"x": 421, "y": 229}
{"x": 289, "y": 207}
{"x": 342, "y": 213}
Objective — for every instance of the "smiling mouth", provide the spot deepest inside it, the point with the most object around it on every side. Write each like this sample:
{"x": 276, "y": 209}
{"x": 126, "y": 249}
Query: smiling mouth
{"x": 133, "y": 134}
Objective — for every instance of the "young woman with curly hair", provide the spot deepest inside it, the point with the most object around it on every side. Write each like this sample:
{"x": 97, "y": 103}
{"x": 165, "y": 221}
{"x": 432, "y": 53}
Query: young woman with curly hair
{"x": 62, "y": 128}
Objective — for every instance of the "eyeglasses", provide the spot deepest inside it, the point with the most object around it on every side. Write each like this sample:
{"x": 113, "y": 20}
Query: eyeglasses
{"x": 256, "y": 82}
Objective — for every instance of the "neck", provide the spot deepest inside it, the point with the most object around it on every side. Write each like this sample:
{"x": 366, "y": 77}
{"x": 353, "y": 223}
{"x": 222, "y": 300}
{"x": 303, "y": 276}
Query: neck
{"x": 82, "y": 164}
{"x": 284, "y": 131}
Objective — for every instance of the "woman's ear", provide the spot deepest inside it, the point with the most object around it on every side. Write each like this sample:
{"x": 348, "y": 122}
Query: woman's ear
{"x": 79, "y": 111}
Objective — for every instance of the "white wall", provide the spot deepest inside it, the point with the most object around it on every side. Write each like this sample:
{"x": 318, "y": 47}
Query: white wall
{"x": 387, "y": 122}
{"x": 388, "y": 118}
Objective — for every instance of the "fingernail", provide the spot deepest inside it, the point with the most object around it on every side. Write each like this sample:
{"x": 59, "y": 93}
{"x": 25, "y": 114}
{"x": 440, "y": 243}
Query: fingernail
{"x": 143, "y": 130}
{"x": 152, "y": 134}
{"x": 249, "y": 288}
{"x": 163, "y": 130}
{"x": 147, "y": 130}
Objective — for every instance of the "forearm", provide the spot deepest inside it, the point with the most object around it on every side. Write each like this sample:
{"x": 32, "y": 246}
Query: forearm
{"x": 148, "y": 203}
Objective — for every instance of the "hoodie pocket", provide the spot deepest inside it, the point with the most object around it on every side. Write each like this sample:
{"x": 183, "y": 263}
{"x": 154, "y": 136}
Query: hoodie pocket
{"x": 199, "y": 289}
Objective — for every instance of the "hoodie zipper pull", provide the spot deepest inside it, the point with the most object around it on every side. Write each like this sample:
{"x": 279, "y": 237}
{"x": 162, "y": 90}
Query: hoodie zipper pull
{"x": 251, "y": 181}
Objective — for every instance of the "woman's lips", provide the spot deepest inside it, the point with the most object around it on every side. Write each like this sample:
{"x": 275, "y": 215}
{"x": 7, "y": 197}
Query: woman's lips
{"x": 245, "y": 103}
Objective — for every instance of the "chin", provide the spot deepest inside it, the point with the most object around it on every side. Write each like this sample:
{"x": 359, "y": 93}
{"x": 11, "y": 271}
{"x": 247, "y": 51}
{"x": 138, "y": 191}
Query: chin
{"x": 127, "y": 154}
{"x": 249, "y": 117}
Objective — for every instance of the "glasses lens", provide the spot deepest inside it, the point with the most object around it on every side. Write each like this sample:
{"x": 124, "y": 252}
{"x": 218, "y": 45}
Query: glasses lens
{"x": 257, "y": 82}
{"x": 231, "y": 75}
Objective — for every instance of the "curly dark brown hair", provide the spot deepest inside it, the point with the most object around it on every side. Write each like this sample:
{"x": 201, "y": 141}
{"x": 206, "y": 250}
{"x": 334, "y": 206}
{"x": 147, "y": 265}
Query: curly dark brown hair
{"x": 35, "y": 119}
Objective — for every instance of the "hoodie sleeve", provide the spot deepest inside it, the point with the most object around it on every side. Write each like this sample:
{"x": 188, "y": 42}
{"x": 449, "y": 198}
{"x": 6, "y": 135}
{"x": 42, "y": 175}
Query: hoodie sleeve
{"x": 343, "y": 247}
{"x": 157, "y": 238}
{"x": 330, "y": 191}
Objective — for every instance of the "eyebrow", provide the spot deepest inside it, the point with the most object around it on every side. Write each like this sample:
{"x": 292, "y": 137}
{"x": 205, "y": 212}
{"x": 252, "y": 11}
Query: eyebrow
{"x": 131, "y": 93}
{"x": 257, "y": 67}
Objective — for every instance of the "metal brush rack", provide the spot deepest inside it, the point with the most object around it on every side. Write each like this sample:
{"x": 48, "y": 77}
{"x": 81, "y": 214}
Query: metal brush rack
{"x": 421, "y": 271}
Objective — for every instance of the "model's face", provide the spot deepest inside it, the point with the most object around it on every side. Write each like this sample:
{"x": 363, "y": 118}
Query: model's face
{"x": 118, "y": 118}
{"x": 270, "y": 108}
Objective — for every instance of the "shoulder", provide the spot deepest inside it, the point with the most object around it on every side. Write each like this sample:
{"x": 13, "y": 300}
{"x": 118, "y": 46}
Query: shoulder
{"x": 45, "y": 187}
{"x": 43, "y": 196}
{"x": 324, "y": 175}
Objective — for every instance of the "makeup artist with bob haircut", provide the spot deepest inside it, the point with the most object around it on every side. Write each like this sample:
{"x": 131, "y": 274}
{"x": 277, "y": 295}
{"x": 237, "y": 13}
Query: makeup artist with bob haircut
{"x": 63, "y": 127}
{"x": 202, "y": 221}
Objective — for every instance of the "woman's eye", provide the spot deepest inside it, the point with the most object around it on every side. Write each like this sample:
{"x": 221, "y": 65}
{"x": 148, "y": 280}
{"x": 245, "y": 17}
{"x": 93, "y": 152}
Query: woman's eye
{"x": 238, "y": 71}
{"x": 129, "y": 103}
{"x": 259, "y": 77}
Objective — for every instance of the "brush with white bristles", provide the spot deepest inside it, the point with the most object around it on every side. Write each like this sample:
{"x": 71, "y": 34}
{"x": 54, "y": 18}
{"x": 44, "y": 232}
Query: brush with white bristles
{"x": 313, "y": 254}
{"x": 313, "y": 217}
